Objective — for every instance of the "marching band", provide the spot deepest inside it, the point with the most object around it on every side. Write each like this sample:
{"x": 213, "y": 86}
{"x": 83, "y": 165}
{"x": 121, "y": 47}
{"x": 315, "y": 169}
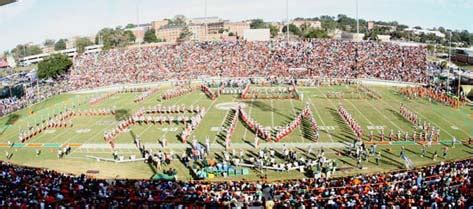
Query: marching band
{"x": 101, "y": 98}
{"x": 177, "y": 92}
{"x": 351, "y": 122}
{"x": 57, "y": 121}
{"x": 146, "y": 94}
{"x": 436, "y": 95}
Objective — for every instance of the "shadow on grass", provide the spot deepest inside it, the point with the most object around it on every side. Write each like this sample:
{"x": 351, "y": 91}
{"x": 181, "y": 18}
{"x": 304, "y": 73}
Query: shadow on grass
{"x": 12, "y": 118}
{"x": 153, "y": 169}
{"x": 122, "y": 114}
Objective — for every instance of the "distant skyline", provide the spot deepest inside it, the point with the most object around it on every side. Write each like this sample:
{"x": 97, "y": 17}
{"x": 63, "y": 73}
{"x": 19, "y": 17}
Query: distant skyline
{"x": 34, "y": 21}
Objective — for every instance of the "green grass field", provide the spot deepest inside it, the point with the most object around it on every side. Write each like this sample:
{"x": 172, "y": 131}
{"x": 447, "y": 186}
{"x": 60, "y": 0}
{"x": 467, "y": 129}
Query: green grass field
{"x": 87, "y": 131}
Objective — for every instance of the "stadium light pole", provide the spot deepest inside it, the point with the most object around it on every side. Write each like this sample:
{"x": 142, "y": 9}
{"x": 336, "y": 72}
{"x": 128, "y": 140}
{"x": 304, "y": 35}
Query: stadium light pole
{"x": 137, "y": 16}
{"x": 459, "y": 83}
{"x": 137, "y": 13}
{"x": 357, "y": 20}
{"x": 449, "y": 61}
{"x": 205, "y": 20}
{"x": 287, "y": 19}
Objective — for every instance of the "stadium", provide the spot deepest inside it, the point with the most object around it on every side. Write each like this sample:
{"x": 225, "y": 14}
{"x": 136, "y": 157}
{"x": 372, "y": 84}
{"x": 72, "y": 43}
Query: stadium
{"x": 237, "y": 124}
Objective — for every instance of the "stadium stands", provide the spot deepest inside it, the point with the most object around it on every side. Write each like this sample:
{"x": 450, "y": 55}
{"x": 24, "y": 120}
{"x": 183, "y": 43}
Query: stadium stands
{"x": 447, "y": 185}
{"x": 321, "y": 58}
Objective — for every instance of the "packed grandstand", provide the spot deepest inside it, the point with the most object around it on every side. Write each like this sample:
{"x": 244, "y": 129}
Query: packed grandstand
{"x": 447, "y": 185}
{"x": 320, "y": 58}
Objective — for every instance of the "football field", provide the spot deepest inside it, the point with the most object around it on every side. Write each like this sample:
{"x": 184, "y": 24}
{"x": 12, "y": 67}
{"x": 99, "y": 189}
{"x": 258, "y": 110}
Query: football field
{"x": 86, "y": 136}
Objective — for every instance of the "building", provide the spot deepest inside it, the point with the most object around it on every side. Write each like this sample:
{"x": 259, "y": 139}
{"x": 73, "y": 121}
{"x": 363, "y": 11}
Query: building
{"x": 11, "y": 61}
{"x": 257, "y": 34}
{"x": 384, "y": 38}
{"x": 93, "y": 49}
{"x": 237, "y": 28}
{"x": 3, "y": 64}
{"x": 372, "y": 25}
{"x": 202, "y": 29}
{"x": 422, "y": 31}
{"x": 169, "y": 33}
{"x": 335, "y": 34}
{"x": 156, "y": 25}
{"x": 311, "y": 23}
{"x": 204, "y": 20}
{"x": 71, "y": 42}
{"x": 47, "y": 49}
{"x": 71, "y": 53}
{"x": 352, "y": 36}
{"x": 198, "y": 32}
{"x": 215, "y": 27}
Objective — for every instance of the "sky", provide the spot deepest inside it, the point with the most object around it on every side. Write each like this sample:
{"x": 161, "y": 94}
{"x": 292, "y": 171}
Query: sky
{"x": 34, "y": 20}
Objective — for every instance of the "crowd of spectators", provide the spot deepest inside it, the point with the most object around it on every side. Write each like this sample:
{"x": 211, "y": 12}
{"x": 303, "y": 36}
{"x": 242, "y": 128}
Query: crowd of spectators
{"x": 446, "y": 185}
{"x": 317, "y": 58}
{"x": 33, "y": 93}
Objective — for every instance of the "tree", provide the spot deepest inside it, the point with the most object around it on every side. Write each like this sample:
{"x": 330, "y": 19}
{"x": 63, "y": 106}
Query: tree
{"x": 130, "y": 25}
{"x": 48, "y": 43}
{"x": 444, "y": 64}
{"x": 17, "y": 91}
{"x": 328, "y": 23}
{"x": 178, "y": 20}
{"x": 60, "y": 45}
{"x": 315, "y": 33}
{"x": 304, "y": 27}
{"x": 53, "y": 66}
{"x": 21, "y": 51}
{"x": 185, "y": 34}
{"x": 372, "y": 35}
{"x": 150, "y": 36}
{"x": 257, "y": 24}
{"x": 81, "y": 43}
{"x": 273, "y": 30}
{"x": 113, "y": 37}
{"x": 293, "y": 29}
{"x": 130, "y": 37}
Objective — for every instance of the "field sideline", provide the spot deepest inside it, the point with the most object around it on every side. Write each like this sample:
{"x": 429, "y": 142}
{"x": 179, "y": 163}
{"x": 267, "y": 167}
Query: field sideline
{"x": 87, "y": 132}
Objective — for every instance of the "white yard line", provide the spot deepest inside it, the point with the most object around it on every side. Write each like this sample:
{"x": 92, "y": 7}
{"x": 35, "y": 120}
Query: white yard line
{"x": 300, "y": 126}
{"x": 336, "y": 107}
{"x": 377, "y": 110}
{"x": 320, "y": 117}
{"x": 205, "y": 114}
{"x": 358, "y": 110}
